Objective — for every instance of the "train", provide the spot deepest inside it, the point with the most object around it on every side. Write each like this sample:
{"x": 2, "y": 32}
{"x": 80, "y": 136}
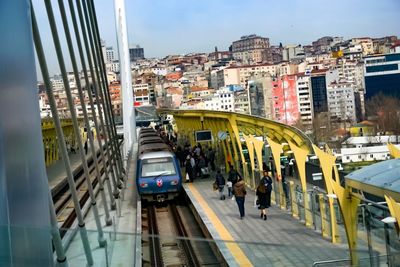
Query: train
{"x": 158, "y": 173}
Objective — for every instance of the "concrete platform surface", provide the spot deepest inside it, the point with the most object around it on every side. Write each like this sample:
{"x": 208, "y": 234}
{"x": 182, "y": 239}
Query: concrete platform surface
{"x": 279, "y": 241}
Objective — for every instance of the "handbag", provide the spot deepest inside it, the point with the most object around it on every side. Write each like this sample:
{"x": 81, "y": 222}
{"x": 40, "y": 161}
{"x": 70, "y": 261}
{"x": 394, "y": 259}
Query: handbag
{"x": 215, "y": 186}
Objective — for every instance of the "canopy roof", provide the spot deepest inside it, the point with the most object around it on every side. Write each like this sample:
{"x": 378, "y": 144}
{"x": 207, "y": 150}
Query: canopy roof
{"x": 382, "y": 178}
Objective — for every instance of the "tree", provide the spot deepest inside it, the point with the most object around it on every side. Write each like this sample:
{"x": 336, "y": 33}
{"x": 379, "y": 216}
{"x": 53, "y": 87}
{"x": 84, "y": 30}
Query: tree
{"x": 386, "y": 111}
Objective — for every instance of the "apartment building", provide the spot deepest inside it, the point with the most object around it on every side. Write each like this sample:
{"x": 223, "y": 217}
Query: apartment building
{"x": 285, "y": 99}
{"x": 341, "y": 102}
{"x": 304, "y": 94}
{"x": 240, "y": 75}
{"x": 249, "y": 49}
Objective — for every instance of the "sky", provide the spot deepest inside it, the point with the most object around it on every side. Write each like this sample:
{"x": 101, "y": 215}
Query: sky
{"x": 164, "y": 27}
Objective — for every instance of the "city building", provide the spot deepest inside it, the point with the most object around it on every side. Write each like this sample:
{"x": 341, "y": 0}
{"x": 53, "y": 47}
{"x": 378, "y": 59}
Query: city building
{"x": 285, "y": 100}
{"x": 249, "y": 49}
{"x": 260, "y": 87}
{"x": 291, "y": 52}
{"x": 303, "y": 85}
{"x": 318, "y": 89}
{"x": 110, "y": 54}
{"x": 240, "y": 75}
{"x": 136, "y": 53}
{"x": 242, "y": 104}
{"x": 272, "y": 54}
{"x": 141, "y": 94}
{"x": 367, "y": 148}
{"x": 341, "y": 102}
{"x": 382, "y": 75}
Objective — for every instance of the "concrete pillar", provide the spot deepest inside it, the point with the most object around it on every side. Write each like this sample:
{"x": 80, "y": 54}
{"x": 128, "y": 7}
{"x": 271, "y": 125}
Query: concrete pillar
{"x": 25, "y": 231}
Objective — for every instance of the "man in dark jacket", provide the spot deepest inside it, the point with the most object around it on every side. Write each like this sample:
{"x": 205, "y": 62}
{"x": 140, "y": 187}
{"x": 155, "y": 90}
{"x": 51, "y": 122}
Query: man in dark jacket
{"x": 239, "y": 189}
{"x": 189, "y": 168}
{"x": 233, "y": 175}
{"x": 220, "y": 181}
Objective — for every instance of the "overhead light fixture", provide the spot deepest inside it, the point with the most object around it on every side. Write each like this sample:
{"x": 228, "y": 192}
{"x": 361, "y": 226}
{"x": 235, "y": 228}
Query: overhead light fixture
{"x": 331, "y": 195}
{"x": 389, "y": 220}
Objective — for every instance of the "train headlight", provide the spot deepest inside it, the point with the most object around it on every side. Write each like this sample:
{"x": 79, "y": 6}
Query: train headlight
{"x": 174, "y": 182}
{"x": 144, "y": 185}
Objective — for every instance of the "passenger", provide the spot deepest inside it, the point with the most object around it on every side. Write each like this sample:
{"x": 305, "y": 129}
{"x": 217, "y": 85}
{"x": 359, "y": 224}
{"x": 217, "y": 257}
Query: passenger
{"x": 211, "y": 158}
{"x": 193, "y": 164}
{"x": 284, "y": 183}
{"x": 239, "y": 190}
{"x": 229, "y": 185}
{"x": 233, "y": 175}
{"x": 180, "y": 155}
{"x": 264, "y": 189}
{"x": 220, "y": 181}
{"x": 189, "y": 168}
{"x": 197, "y": 150}
{"x": 202, "y": 166}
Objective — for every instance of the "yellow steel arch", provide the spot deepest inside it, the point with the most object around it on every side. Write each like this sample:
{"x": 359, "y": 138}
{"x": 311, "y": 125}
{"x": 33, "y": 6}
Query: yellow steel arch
{"x": 247, "y": 124}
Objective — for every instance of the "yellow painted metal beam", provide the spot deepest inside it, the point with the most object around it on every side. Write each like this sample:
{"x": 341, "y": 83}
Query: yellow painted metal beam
{"x": 348, "y": 204}
{"x": 394, "y": 151}
{"x": 300, "y": 155}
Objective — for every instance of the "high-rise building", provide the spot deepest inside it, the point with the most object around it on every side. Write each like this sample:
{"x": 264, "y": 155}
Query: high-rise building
{"x": 303, "y": 84}
{"x": 136, "y": 53}
{"x": 110, "y": 54}
{"x": 382, "y": 75}
{"x": 249, "y": 49}
{"x": 318, "y": 89}
{"x": 341, "y": 102}
{"x": 285, "y": 100}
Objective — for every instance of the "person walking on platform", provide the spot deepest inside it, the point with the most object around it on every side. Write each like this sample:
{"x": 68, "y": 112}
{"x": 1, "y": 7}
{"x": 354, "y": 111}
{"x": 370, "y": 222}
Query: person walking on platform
{"x": 220, "y": 181}
{"x": 211, "y": 158}
{"x": 264, "y": 189}
{"x": 189, "y": 169}
{"x": 239, "y": 189}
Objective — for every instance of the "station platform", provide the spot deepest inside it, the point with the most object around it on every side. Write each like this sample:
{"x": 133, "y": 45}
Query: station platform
{"x": 278, "y": 241}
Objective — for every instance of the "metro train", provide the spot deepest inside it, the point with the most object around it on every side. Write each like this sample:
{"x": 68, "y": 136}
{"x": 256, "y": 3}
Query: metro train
{"x": 158, "y": 173}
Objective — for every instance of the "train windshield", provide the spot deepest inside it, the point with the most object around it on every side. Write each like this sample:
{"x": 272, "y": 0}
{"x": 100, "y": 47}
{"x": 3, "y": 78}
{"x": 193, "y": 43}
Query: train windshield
{"x": 158, "y": 166}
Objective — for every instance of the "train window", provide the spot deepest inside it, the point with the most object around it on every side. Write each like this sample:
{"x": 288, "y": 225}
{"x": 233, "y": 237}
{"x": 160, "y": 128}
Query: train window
{"x": 158, "y": 166}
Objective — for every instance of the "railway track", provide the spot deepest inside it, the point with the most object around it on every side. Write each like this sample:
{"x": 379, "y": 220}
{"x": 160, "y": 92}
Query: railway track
{"x": 172, "y": 237}
{"x": 63, "y": 203}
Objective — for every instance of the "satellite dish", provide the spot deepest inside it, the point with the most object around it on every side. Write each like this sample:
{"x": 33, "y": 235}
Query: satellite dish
{"x": 222, "y": 135}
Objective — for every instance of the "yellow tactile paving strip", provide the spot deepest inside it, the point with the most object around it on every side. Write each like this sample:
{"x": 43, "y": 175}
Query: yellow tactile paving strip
{"x": 234, "y": 248}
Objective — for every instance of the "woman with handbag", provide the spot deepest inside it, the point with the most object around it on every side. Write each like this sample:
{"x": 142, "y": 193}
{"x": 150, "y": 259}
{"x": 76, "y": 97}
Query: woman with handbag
{"x": 264, "y": 189}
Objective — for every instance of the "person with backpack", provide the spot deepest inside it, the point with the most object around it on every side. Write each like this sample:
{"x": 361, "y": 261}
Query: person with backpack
{"x": 220, "y": 181}
{"x": 264, "y": 190}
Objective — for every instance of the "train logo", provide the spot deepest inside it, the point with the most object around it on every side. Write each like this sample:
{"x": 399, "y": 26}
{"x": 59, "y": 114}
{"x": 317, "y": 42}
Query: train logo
{"x": 159, "y": 182}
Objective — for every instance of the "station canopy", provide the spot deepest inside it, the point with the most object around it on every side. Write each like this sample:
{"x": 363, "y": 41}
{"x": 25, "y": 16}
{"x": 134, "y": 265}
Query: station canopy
{"x": 378, "y": 179}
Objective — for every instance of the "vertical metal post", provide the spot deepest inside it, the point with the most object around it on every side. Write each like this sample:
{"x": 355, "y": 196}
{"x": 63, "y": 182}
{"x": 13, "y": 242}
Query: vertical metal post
{"x": 89, "y": 92}
{"x": 85, "y": 115}
{"x": 99, "y": 101}
{"x": 55, "y": 233}
{"x": 96, "y": 32}
{"x": 387, "y": 242}
{"x": 312, "y": 197}
{"x": 369, "y": 240}
{"x": 125, "y": 70}
{"x": 71, "y": 105}
{"x": 61, "y": 141}
{"x": 96, "y": 53}
{"x": 24, "y": 202}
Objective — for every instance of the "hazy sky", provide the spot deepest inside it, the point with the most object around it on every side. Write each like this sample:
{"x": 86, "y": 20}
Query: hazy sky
{"x": 165, "y": 27}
